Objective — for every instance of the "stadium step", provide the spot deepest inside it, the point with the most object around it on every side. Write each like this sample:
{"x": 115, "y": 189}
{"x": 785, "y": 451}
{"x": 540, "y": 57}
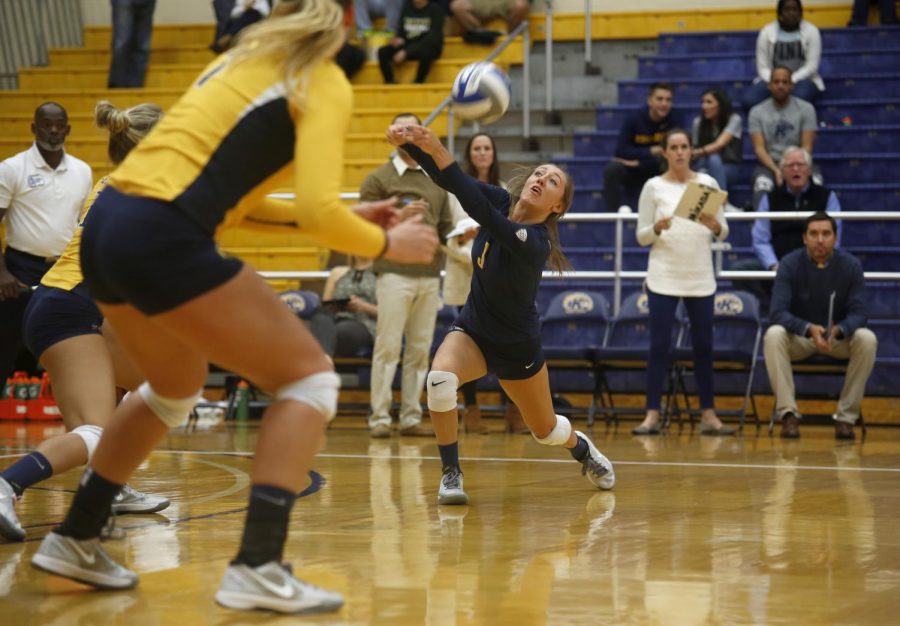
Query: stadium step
{"x": 833, "y": 39}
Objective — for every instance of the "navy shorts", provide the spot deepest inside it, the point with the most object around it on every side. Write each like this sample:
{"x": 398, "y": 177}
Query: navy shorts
{"x": 149, "y": 254}
{"x": 509, "y": 361}
{"x": 55, "y": 314}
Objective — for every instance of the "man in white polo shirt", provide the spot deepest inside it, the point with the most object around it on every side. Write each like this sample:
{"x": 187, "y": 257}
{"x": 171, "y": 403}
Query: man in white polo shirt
{"x": 42, "y": 191}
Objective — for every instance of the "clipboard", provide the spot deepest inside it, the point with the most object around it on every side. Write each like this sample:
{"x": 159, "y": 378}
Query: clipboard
{"x": 698, "y": 199}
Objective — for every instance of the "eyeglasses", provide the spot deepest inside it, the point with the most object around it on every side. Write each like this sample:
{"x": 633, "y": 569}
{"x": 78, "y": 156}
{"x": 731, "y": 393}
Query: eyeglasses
{"x": 795, "y": 165}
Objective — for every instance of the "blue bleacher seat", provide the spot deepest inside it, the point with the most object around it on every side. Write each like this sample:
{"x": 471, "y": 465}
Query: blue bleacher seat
{"x": 745, "y": 41}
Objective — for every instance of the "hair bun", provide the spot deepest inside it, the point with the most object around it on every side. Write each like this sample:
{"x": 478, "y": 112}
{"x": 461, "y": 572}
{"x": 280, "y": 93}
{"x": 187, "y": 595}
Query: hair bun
{"x": 109, "y": 117}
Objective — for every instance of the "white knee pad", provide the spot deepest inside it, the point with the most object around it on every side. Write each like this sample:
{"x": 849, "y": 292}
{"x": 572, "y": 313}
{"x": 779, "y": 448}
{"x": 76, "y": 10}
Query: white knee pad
{"x": 90, "y": 435}
{"x": 559, "y": 435}
{"x": 171, "y": 411}
{"x": 320, "y": 391}
{"x": 442, "y": 387}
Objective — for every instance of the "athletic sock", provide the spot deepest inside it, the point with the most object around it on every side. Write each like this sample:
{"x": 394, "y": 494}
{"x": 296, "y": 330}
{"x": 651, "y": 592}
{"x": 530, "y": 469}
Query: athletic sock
{"x": 265, "y": 529}
{"x": 27, "y": 471}
{"x": 449, "y": 454}
{"x": 90, "y": 508}
{"x": 581, "y": 449}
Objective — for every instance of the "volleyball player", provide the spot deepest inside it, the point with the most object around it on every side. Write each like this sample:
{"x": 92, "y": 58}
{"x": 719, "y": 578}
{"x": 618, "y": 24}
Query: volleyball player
{"x": 272, "y": 112}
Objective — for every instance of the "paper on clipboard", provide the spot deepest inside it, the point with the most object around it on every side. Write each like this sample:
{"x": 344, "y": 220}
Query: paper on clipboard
{"x": 462, "y": 226}
{"x": 698, "y": 199}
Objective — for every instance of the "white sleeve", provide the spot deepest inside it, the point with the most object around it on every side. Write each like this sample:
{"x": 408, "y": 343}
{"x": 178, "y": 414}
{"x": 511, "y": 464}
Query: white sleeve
{"x": 7, "y": 185}
{"x": 763, "y": 55}
{"x": 647, "y": 215}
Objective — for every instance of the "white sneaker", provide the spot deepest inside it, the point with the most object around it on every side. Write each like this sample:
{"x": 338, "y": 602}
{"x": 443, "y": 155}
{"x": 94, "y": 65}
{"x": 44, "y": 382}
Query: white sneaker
{"x": 9, "y": 521}
{"x": 451, "y": 489}
{"x": 597, "y": 467}
{"x": 272, "y": 586}
{"x": 84, "y": 561}
{"x": 130, "y": 500}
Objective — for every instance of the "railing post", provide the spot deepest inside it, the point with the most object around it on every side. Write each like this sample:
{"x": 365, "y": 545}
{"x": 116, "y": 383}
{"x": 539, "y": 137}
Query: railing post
{"x": 451, "y": 133}
{"x": 617, "y": 260}
{"x": 589, "y": 68}
{"x": 551, "y": 117}
{"x": 527, "y": 143}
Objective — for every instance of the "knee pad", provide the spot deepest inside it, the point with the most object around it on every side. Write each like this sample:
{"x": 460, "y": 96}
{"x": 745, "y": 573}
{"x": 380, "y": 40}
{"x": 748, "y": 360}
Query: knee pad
{"x": 320, "y": 391}
{"x": 559, "y": 435}
{"x": 171, "y": 411}
{"x": 90, "y": 435}
{"x": 441, "y": 390}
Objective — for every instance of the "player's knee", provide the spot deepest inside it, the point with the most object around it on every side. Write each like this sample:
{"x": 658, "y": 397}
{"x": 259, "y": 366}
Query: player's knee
{"x": 441, "y": 392}
{"x": 171, "y": 411}
{"x": 320, "y": 391}
{"x": 559, "y": 435}
{"x": 90, "y": 435}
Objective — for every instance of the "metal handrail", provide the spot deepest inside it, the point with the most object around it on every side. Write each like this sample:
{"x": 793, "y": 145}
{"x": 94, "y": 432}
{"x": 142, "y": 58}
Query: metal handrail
{"x": 526, "y": 109}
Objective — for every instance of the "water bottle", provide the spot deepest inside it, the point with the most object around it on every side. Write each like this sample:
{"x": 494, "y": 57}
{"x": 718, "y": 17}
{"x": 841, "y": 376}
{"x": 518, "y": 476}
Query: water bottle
{"x": 243, "y": 401}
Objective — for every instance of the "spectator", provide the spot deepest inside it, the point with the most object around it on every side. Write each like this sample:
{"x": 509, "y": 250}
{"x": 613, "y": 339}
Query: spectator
{"x": 347, "y": 326}
{"x": 233, "y": 16}
{"x": 860, "y": 15}
{"x": 790, "y": 42}
{"x": 775, "y": 124}
{"x": 804, "y": 283}
{"x": 365, "y": 10}
{"x": 679, "y": 268}
{"x": 472, "y": 15}
{"x": 772, "y": 240}
{"x": 419, "y": 37}
{"x": 42, "y": 191}
{"x": 636, "y": 159}
{"x": 716, "y": 137}
{"x": 132, "y": 27}
{"x": 407, "y": 295}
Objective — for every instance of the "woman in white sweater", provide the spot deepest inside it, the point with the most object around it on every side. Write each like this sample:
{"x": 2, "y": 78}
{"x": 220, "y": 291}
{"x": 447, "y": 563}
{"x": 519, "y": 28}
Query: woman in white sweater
{"x": 680, "y": 268}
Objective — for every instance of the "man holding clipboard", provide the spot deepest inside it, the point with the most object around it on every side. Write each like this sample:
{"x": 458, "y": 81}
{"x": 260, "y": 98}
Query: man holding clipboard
{"x": 819, "y": 306}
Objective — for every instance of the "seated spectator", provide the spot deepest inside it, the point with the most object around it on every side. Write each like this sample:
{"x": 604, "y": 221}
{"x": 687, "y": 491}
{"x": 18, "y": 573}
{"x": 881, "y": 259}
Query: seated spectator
{"x": 781, "y": 122}
{"x": 772, "y": 240}
{"x": 365, "y": 10}
{"x": 233, "y": 16}
{"x": 860, "y": 15}
{"x": 419, "y": 37}
{"x": 472, "y": 15}
{"x": 716, "y": 137}
{"x": 345, "y": 325}
{"x": 805, "y": 281}
{"x": 791, "y": 42}
{"x": 637, "y": 156}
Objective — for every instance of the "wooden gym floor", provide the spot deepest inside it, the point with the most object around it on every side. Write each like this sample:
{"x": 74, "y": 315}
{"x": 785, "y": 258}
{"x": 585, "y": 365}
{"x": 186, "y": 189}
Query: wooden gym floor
{"x": 746, "y": 530}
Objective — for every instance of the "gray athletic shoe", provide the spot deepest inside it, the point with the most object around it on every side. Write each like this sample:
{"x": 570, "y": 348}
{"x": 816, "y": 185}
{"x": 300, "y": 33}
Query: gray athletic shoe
{"x": 84, "y": 561}
{"x": 9, "y": 521}
{"x": 130, "y": 500}
{"x": 451, "y": 489}
{"x": 597, "y": 467}
{"x": 272, "y": 587}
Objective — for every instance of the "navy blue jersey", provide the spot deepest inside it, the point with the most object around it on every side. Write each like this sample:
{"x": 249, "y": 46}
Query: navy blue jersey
{"x": 507, "y": 258}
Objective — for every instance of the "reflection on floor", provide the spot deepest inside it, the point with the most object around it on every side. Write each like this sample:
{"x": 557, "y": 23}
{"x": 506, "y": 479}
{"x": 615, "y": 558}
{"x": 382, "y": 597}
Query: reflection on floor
{"x": 699, "y": 530}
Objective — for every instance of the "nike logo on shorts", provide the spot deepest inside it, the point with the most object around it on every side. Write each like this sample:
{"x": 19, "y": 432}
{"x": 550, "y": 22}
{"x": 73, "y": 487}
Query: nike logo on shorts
{"x": 436, "y": 383}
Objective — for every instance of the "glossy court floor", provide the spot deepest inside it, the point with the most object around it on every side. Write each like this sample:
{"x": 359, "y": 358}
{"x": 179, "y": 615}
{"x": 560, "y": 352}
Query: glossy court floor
{"x": 747, "y": 530}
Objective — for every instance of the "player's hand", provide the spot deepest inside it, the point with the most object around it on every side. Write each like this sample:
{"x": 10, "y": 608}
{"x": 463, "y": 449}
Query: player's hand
{"x": 381, "y": 212}
{"x": 661, "y": 225}
{"x": 823, "y": 343}
{"x": 9, "y": 285}
{"x": 411, "y": 242}
{"x": 422, "y": 137}
{"x": 396, "y": 134}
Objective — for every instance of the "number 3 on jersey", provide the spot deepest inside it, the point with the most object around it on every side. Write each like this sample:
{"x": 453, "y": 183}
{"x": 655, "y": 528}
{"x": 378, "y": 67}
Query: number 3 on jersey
{"x": 487, "y": 244}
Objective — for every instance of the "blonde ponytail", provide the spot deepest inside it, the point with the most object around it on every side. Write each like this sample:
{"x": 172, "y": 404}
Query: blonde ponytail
{"x": 126, "y": 128}
{"x": 302, "y": 33}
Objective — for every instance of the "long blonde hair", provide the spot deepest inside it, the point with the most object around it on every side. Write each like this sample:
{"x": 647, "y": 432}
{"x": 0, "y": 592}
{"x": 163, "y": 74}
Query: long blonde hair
{"x": 558, "y": 261}
{"x": 126, "y": 128}
{"x": 301, "y": 32}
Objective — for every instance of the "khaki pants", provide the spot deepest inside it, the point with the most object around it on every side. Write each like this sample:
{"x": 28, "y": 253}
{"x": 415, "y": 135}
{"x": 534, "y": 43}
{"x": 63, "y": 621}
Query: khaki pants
{"x": 407, "y": 310}
{"x": 781, "y": 347}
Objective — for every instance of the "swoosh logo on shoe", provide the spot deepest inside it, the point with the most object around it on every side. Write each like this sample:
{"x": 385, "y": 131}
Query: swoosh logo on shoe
{"x": 282, "y": 590}
{"x": 528, "y": 367}
{"x": 87, "y": 558}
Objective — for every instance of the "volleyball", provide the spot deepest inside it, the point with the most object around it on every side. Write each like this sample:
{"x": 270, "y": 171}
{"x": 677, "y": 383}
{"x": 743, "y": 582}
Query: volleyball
{"x": 480, "y": 92}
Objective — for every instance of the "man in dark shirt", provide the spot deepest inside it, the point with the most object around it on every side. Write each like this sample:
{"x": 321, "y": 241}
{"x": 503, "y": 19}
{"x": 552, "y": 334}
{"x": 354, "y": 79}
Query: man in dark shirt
{"x": 804, "y": 284}
{"x": 638, "y": 150}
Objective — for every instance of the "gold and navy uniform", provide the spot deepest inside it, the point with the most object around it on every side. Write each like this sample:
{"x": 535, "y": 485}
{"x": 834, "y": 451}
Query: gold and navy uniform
{"x": 508, "y": 259}
{"x": 209, "y": 164}
{"x": 61, "y": 308}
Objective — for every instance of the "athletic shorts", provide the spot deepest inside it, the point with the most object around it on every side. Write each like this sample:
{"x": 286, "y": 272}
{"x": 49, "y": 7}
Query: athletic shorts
{"x": 147, "y": 253}
{"x": 509, "y": 361}
{"x": 54, "y": 315}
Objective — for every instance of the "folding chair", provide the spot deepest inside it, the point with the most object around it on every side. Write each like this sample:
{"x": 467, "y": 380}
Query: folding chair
{"x": 737, "y": 337}
{"x": 572, "y": 329}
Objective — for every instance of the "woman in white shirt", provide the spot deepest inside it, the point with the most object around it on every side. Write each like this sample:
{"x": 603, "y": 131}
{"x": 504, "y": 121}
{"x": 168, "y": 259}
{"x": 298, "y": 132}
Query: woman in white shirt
{"x": 679, "y": 268}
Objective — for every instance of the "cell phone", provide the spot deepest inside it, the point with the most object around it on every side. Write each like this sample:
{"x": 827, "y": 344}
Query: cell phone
{"x": 337, "y": 302}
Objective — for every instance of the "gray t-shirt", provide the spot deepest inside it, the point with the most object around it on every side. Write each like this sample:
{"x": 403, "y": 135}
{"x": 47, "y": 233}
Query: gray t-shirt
{"x": 731, "y": 153}
{"x": 782, "y": 127}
